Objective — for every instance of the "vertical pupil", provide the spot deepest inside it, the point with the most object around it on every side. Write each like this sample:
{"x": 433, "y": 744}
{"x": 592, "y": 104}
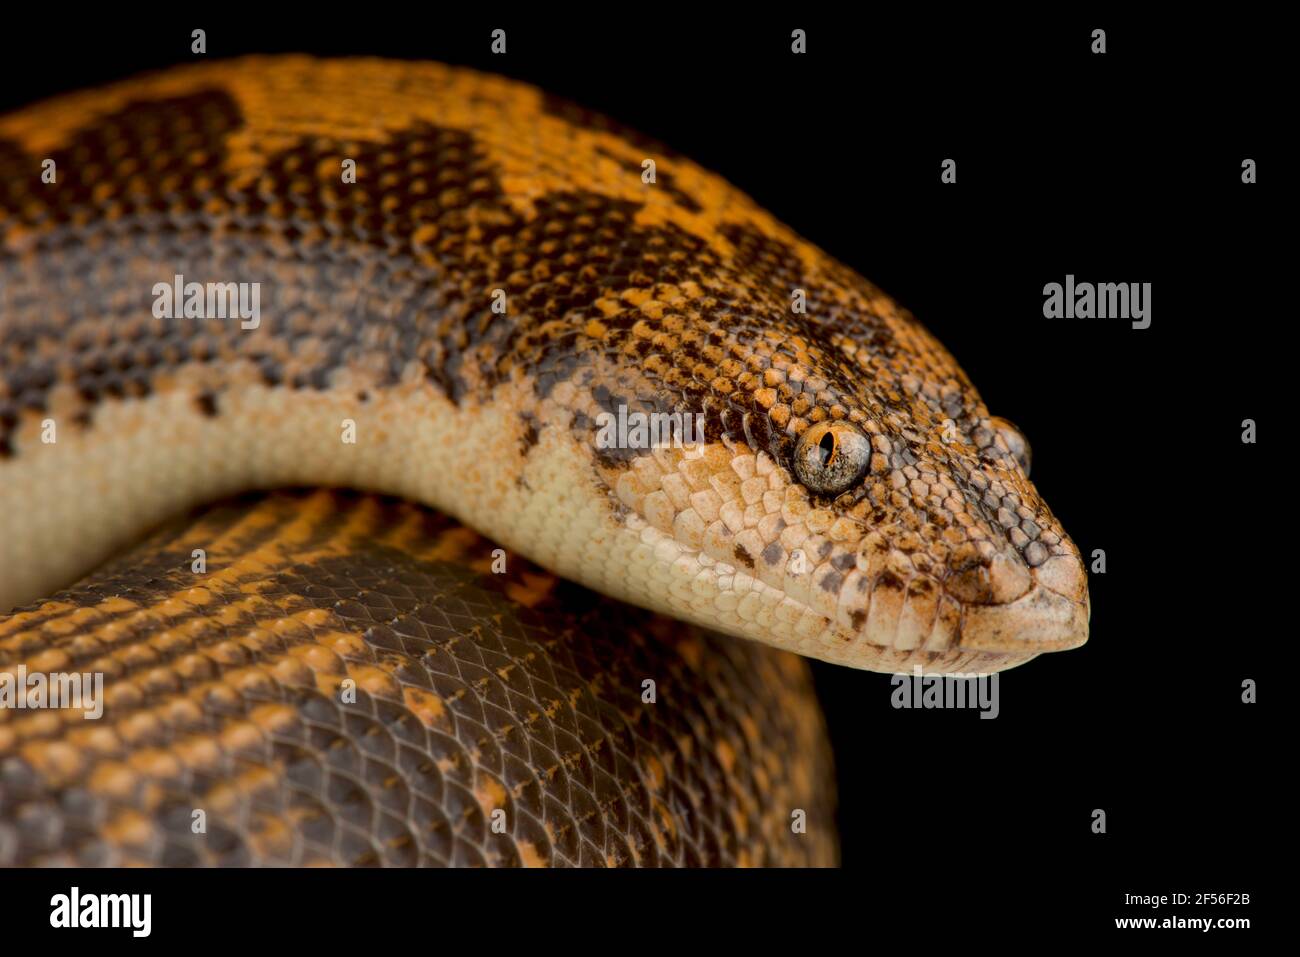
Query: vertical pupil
{"x": 826, "y": 448}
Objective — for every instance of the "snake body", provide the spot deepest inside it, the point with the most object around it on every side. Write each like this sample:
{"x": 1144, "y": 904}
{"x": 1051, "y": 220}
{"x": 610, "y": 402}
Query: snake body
{"x": 497, "y": 719}
{"x": 501, "y": 277}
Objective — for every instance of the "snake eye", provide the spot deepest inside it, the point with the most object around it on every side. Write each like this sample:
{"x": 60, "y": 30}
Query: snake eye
{"x": 831, "y": 457}
{"x": 1017, "y": 444}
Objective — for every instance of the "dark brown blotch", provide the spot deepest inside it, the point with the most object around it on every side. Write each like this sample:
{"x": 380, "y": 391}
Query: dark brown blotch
{"x": 831, "y": 582}
{"x": 528, "y": 435}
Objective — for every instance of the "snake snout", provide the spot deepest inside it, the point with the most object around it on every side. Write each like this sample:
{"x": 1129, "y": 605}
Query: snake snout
{"x": 1051, "y": 615}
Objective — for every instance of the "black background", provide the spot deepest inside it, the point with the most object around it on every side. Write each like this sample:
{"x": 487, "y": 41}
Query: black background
{"x": 1117, "y": 168}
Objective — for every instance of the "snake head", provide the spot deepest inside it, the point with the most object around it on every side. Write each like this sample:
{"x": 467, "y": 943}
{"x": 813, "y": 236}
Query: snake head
{"x": 852, "y": 499}
{"x": 932, "y": 554}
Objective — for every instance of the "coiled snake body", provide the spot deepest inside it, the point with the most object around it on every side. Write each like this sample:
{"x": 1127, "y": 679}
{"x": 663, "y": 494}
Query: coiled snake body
{"x": 462, "y": 284}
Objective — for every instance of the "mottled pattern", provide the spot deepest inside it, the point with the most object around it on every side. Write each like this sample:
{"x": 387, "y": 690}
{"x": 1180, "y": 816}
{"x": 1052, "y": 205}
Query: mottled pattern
{"x": 475, "y": 693}
{"x": 676, "y": 296}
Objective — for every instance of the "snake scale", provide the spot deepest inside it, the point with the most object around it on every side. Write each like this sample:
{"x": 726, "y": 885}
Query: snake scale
{"x": 456, "y": 324}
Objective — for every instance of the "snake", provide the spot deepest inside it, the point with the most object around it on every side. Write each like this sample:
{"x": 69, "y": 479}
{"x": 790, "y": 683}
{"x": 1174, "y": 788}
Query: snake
{"x": 500, "y": 528}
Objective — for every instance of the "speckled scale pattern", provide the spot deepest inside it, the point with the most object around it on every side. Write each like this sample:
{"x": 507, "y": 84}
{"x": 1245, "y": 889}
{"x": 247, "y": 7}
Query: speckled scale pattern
{"x": 673, "y": 296}
{"x": 475, "y": 692}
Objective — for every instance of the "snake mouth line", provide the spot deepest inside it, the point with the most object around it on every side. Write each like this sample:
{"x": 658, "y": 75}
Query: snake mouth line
{"x": 987, "y": 638}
